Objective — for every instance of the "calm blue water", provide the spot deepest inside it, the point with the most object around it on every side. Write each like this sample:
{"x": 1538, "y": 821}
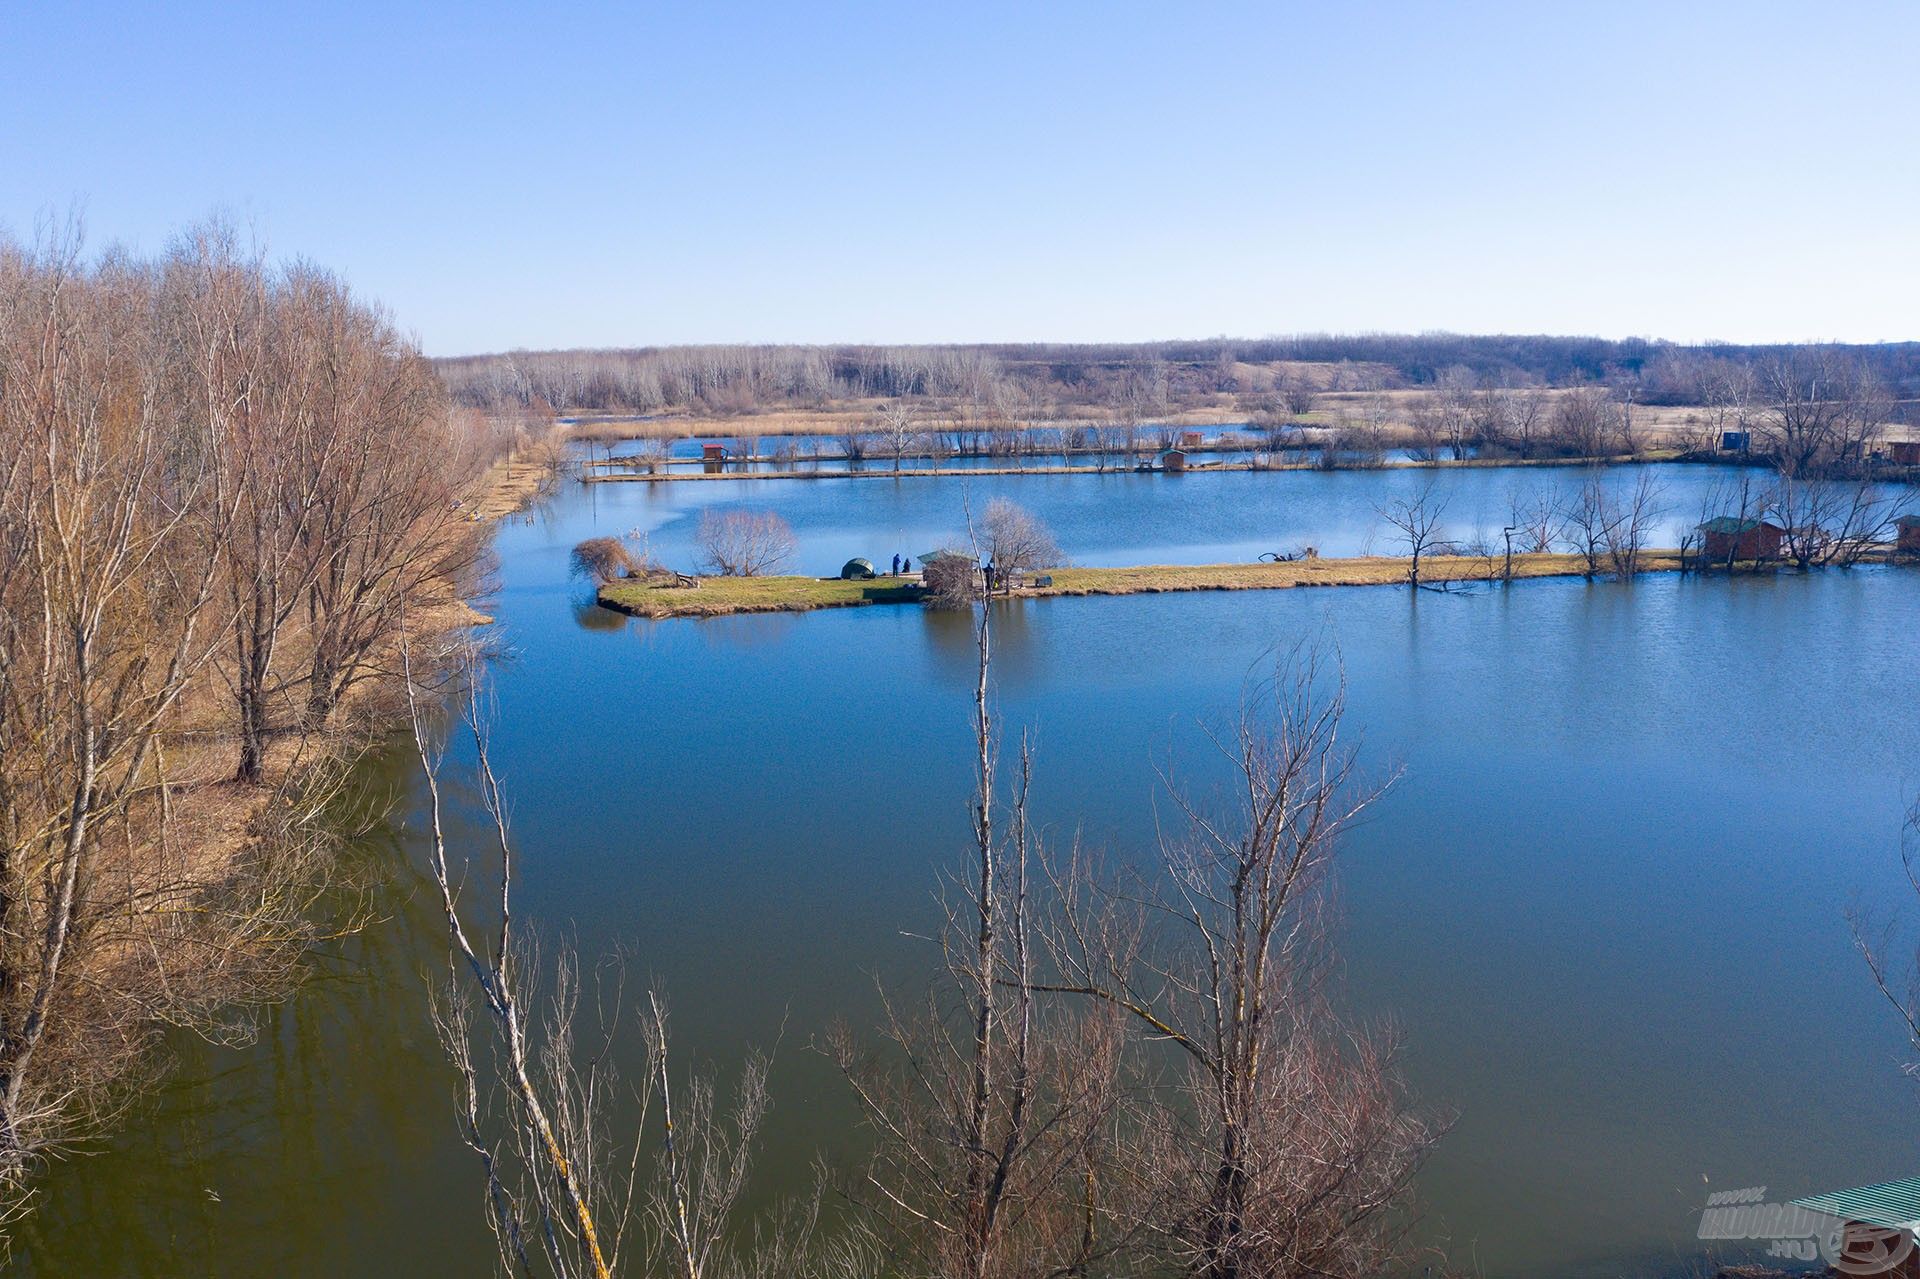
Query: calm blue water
{"x": 1112, "y": 518}
{"x": 1604, "y": 905}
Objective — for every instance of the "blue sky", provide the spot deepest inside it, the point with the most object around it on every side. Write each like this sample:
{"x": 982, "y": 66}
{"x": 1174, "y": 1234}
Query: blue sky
{"x": 516, "y": 175}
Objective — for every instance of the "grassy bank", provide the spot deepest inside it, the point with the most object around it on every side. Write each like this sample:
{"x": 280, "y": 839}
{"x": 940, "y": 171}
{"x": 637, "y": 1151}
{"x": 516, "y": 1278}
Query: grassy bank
{"x": 512, "y": 485}
{"x": 717, "y": 597}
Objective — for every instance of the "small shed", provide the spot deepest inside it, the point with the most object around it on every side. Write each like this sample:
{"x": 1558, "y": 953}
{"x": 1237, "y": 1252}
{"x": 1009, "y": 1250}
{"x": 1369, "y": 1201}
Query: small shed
{"x": 1907, "y": 535}
{"x": 1728, "y": 537}
{"x": 954, "y": 572}
{"x": 713, "y": 452}
{"x": 1904, "y": 452}
{"x": 1192, "y": 439}
{"x": 1173, "y": 460}
{"x": 1733, "y": 441}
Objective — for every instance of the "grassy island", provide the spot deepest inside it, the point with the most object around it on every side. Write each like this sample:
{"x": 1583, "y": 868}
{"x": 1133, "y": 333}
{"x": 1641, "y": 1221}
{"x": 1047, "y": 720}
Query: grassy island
{"x": 719, "y": 596}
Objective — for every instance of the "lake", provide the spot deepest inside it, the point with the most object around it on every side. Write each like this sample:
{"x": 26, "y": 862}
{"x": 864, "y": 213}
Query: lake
{"x": 1119, "y": 517}
{"x": 1604, "y": 906}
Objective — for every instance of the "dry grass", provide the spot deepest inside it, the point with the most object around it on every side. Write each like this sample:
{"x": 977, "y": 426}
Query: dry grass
{"x": 1371, "y": 570}
{"x": 510, "y": 486}
{"x": 1658, "y": 424}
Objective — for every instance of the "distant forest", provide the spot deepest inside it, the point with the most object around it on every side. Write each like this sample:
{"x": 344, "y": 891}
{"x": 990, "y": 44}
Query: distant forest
{"x": 725, "y": 380}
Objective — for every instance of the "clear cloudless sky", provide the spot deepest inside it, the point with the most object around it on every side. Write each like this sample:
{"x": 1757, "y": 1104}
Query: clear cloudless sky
{"x": 561, "y": 175}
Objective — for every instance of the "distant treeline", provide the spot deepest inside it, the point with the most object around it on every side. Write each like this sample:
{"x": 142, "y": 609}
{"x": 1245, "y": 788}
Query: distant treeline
{"x": 1030, "y": 377}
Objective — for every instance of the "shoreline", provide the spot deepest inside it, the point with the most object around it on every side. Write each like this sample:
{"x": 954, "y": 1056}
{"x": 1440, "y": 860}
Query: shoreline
{"x": 722, "y": 597}
{"x": 950, "y": 472}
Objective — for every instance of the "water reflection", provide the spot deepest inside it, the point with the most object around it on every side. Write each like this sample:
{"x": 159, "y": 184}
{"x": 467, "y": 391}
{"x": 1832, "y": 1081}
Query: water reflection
{"x": 589, "y": 616}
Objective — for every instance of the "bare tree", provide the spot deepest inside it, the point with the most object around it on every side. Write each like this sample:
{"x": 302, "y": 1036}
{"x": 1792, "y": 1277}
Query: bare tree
{"x": 993, "y": 1138}
{"x": 1014, "y": 540}
{"x": 1830, "y": 521}
{"x": 1454, "y": 398}
{"x": 1535, "y": 520}
{"x": 386, "y": 528}
{"x": 109, "y": 624}
{"x": 566, "y": 1195}
{"x": 897, "y": 428}
{"x": 1429, "y": 425}
{"x": 1360, "y": 437}
{"x": 1585, "y": 518}
{"x": 1585, "y": 422}
{"x": 744, "y": 543}
{"x": 1416, "y": 522}
{"x": 1298, "y": 393}
{"x": 1284, "y": 1146}
{"x": 1821, "y": 410}
{"x": 1514, "y": 418}
{"x": 1627, "y": 522}
{"x": 244, "y": 364}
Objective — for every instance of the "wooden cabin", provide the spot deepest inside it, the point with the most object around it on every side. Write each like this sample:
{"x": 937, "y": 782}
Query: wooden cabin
{"x": 1904, "y": 452}
{"x": 1906, "y": 539}
{"x": 1173, "y": 460}
{"x": 713, "y": 452}
{"x": 1192, "y": 439}
{"x": 1730, "y": 538}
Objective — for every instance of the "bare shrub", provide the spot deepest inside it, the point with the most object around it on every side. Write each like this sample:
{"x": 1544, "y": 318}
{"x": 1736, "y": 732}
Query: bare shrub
{"x": 951, "y": 579}
{"x": 604, "y": 559}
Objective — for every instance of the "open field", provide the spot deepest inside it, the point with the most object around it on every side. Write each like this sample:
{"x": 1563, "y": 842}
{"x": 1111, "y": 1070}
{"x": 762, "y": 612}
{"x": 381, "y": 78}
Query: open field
{"x": 1659, "y": 425}
{"x": 719, "y": 596}
{"x": 837, "y": 418}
